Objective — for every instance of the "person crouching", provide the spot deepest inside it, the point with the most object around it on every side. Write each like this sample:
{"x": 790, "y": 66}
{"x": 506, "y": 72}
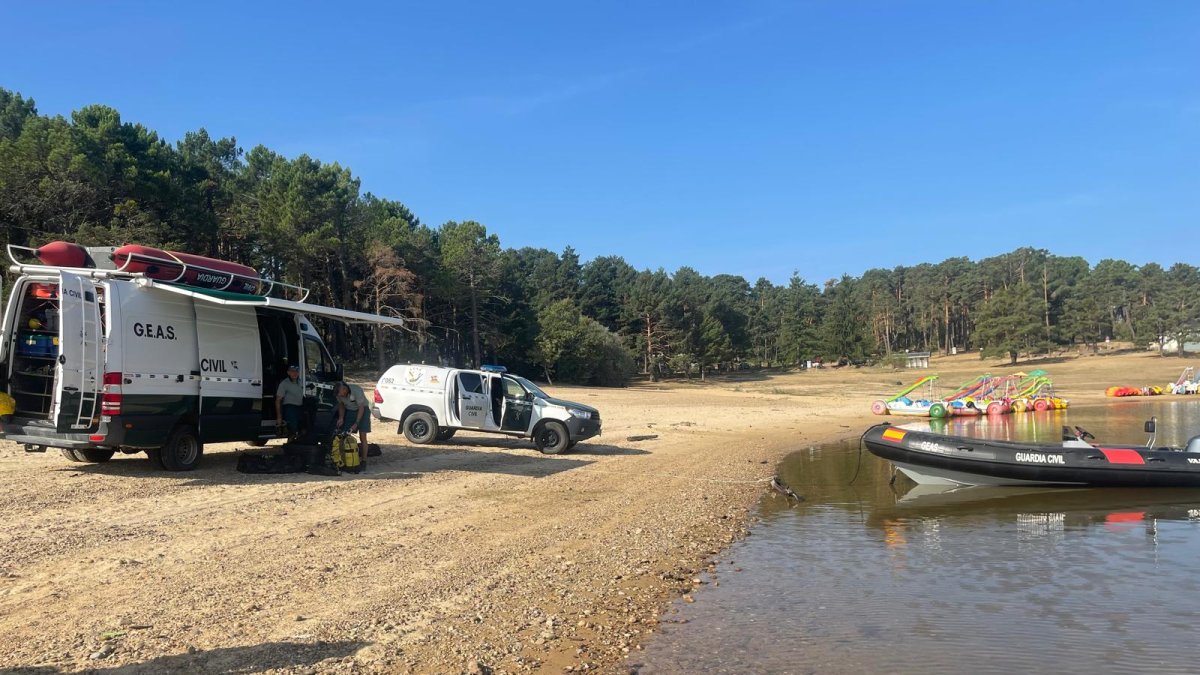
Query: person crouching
{"x": 353, "y": 416}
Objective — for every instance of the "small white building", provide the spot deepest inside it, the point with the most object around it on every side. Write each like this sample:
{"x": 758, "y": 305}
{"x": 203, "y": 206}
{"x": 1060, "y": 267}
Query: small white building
{"x": 1171, "y": 346}
{"x": 917, "y": 359}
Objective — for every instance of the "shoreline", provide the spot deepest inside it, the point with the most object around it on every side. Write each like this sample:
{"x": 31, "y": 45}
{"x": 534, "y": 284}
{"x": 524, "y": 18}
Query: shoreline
{"x": 476, "y": 554}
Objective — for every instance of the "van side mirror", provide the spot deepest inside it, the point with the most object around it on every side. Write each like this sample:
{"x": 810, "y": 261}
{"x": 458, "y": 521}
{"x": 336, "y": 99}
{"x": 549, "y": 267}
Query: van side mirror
{"x": 1150, "y": 425}
{"x": 338, "y": 372}
{"x": 529, "y": 396}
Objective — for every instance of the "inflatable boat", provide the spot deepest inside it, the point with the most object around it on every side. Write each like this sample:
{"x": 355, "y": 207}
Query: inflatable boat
{"x": 937, "y": 459}
{"x": 172, "y": 266}
{"x": 187, "y": 269}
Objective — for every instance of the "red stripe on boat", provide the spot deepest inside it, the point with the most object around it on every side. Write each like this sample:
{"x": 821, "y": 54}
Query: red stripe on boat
{"x": 1115, "y": 456}
{"x": 893, "y": 435}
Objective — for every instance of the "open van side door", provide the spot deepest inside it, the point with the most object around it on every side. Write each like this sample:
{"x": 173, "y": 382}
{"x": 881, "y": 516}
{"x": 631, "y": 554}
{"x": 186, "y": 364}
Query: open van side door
{"x": 319, "y": 377}
{"x": 230, "y": 373}
{"x": 77, "y": 370}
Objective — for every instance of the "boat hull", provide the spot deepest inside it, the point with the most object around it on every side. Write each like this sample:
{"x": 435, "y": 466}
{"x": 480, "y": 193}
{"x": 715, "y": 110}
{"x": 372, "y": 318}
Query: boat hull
{"x": 187, "y": 269}
{"x": 909, "y": 412}
{"x": 936, "y": 459}
{"x": 64, "y": 254}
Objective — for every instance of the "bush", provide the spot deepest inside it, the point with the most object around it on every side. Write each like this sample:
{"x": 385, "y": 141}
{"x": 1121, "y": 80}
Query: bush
{"x": 573, "y": 348}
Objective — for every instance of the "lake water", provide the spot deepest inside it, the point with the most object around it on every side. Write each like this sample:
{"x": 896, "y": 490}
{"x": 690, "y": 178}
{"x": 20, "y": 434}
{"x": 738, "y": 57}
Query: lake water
{"x": 879, "y": 578}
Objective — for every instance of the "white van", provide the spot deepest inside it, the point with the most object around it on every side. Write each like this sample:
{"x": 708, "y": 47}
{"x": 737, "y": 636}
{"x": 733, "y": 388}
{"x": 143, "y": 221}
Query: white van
{"x": 104, "y": 360}
{"x": 432, "y": 403}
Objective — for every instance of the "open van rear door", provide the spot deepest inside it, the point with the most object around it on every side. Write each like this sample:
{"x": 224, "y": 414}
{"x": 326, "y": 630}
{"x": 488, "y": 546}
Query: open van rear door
{"x": 77, "y": 371}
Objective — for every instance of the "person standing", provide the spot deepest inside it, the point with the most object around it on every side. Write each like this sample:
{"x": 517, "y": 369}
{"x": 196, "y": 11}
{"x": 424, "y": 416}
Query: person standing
{"x": 353, "y": 416}
{"x": 289, "y": 401}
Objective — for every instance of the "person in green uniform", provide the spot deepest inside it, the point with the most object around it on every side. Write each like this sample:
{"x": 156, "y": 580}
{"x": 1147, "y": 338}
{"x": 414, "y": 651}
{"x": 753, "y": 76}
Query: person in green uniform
{"x": 353, "y": 415}
{"x": 289, "y": 401}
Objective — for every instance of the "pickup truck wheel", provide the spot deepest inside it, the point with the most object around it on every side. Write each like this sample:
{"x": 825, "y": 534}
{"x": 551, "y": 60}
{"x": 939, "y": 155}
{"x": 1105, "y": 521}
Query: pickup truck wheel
{"x": 445, "y": 434}
{"x": 552, "y": 438}
{"x": 71, "y": 455}
{"x": 420, "y": 428}
{"x": 95, "y": 455}
{"x": 182, "y": 450}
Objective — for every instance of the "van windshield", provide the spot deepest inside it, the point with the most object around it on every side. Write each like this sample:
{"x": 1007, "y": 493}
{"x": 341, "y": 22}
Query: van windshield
{"x": 533, "y": 388}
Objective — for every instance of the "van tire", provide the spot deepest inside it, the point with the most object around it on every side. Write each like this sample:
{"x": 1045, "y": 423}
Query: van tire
{"x": 95, "y": 455}
{"x": 71, "y": 455}
{"x": 445, "y": 434}
{"x": 552, "y": 438}
{"x": 182, "y": 450}
{"x": 420, "y": 428}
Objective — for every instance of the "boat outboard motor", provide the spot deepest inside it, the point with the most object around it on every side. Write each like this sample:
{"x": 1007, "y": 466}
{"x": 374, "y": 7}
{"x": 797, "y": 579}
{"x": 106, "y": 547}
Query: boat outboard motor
{"x": 1150, "y": 429}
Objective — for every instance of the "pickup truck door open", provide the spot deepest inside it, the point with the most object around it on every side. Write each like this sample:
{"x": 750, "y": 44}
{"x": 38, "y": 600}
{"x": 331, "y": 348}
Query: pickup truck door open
{"x": 518, "y": 407}
{"x": 471, "y": 402}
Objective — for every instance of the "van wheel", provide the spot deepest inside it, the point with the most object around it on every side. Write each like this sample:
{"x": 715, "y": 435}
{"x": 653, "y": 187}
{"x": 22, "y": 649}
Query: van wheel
{"x": 420, "y": 428}
{"x": 95, "y": 455}
{"x": 257, "y": 443}
{"x": 552, "y": 438}
{"x": 445, "y": 434}
{"x": 72, "y": 455}
{"x": 182, "y": 450}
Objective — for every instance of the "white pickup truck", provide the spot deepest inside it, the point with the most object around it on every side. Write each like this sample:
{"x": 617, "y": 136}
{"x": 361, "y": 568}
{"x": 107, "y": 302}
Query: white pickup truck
{"x": 432, "y": 403}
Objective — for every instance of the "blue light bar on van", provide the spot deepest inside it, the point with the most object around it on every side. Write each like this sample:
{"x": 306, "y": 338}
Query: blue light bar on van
{"x": 494, "y": 369}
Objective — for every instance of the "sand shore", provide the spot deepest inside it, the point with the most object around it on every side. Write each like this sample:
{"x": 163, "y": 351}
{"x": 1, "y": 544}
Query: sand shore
{"x": 478, "y": 554}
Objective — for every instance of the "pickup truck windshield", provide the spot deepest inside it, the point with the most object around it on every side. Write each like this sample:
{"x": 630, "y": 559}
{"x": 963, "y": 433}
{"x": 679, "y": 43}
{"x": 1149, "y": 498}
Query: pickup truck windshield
{"x": 533, "y": 388}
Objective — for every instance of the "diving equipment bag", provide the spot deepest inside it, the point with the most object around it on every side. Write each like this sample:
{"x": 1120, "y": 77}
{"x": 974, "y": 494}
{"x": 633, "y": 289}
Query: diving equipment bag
{"x": 344, "y": 452}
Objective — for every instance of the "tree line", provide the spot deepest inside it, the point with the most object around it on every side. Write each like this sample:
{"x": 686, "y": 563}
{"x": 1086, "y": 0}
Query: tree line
{"x": 98, "y": 180}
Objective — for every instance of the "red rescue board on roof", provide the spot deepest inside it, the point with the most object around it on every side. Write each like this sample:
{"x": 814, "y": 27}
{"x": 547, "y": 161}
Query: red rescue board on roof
{"x": 1122, "y": 456}
{"x": 185, "y": 268}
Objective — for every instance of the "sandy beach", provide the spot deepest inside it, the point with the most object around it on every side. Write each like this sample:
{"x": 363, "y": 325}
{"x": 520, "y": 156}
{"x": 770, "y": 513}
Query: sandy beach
{"x": 474, "y": 555}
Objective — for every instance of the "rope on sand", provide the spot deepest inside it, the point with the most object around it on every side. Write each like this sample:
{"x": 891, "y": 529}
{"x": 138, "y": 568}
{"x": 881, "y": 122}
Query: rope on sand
{"x": 729, "y": 481}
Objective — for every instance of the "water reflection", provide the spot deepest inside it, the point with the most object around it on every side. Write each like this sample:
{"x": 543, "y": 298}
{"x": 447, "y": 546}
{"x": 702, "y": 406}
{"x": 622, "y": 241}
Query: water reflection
{"x": 875, "y": 577}
{"x": 1035, "y": 510}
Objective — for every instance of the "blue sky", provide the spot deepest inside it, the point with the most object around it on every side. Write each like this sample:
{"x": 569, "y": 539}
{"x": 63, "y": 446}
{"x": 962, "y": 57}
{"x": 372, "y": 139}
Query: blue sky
{"x": 753, "y": 138}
